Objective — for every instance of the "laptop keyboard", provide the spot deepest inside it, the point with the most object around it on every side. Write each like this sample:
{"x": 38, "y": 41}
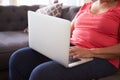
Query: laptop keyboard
{"x": 71, "y": 59}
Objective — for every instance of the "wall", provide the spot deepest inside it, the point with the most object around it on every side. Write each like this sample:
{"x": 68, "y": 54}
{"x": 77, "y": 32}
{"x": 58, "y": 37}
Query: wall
{"x": 87, "y": 0}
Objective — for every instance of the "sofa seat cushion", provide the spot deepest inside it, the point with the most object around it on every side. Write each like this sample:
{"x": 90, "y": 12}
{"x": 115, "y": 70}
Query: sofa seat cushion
{"x": 113, "y": 77}
{"x": 9, "y": 42}
{"x": 12, "y": 40}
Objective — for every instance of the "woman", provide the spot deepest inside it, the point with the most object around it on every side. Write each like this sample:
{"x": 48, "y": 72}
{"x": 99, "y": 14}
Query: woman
{"x": 95, "y": 32}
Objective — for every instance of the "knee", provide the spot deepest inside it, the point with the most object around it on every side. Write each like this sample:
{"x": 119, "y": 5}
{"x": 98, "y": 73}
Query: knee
{"x": 18, "y": 55}
{"x": 46, "y": 71}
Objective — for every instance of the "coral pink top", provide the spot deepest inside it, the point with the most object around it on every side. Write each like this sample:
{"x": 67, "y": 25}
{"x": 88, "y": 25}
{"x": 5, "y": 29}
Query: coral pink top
{"x": 97, "y": 30}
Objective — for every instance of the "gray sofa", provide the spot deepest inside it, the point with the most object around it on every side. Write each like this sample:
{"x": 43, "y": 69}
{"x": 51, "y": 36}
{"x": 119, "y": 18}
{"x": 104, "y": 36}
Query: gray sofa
{"x": 13, "y": 21}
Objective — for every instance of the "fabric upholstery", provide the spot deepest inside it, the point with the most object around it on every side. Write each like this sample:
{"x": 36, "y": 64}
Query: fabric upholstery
{"x": 113, "y": 77}
{"x": 9, "y": 42}
{"x": 69, "y": 12}
{"x": 52, "y": 10}
{"x": 12, "y": 18}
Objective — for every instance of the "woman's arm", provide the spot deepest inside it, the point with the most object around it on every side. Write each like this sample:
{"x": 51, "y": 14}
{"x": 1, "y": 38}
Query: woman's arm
{"x": 106, "y": 52}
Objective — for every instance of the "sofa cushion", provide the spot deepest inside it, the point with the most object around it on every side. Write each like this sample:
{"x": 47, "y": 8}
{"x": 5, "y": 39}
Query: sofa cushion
{"x": 52, "y": 10}
{"x": 12, "y": 40}
{"x": 14, "y": 18}
{"x": 9, "y": 42}
{"x": 69, "y": 12}
{"x": 113, "y": 77}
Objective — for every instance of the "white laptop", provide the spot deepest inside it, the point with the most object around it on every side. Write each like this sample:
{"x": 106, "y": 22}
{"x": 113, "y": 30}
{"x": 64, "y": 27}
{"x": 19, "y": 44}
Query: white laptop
{"x": 51, "y": 37}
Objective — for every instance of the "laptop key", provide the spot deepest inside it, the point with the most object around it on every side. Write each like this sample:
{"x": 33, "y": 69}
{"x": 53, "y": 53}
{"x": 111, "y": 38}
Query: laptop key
{"x": 71, "y": 59}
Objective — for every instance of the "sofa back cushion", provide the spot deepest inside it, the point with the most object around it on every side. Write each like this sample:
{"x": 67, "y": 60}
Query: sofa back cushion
{"x": 14, "y": 18}
{"x": 69, "y": 12}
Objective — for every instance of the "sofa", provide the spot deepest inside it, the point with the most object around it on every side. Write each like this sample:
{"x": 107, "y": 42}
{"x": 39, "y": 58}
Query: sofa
{"x": 13, "y": 21}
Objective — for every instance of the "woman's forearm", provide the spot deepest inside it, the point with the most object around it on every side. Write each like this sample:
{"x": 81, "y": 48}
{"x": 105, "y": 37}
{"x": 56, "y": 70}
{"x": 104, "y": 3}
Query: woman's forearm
{"x": 107, "y": 52}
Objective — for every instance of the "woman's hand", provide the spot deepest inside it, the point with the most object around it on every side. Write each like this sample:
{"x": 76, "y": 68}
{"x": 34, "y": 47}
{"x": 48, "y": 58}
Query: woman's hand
{"x": 78, "y": 52}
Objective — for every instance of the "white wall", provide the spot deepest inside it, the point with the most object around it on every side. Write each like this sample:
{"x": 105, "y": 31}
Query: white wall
{"x": 45, "y": 2}
{"x": 32, "y": 2}
{"x": 74, "y": 2}
{"x": 4, "y": 2}
{"x": 87, "y": 0}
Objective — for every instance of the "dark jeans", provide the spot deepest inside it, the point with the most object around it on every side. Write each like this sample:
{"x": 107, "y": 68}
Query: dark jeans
{"x": 27, "y": 64}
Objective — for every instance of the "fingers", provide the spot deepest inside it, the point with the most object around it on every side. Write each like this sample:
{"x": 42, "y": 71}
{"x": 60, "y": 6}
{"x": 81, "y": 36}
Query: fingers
{"x": 78, "y": 52}
{"x": 73, "y": 52}
{"x": 76, "y": 56}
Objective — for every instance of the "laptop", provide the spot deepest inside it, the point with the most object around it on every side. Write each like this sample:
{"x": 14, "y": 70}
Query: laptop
{"x": 51, "y": 37}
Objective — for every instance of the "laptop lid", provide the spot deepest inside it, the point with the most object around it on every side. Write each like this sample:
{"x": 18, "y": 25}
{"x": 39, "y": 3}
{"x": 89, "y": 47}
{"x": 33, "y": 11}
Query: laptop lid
{"x": 50, "y": 36}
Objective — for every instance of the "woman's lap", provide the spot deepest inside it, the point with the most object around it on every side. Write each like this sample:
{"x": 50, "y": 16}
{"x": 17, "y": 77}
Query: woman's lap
{"x": 54, "y": 71}
{"x": 27, "y": 60}
{"x": 24, "y": 61}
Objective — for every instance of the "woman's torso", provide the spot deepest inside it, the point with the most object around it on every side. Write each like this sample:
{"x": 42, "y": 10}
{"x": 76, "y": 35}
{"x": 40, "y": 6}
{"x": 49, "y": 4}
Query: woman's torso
{"x": 97, "y": 30}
